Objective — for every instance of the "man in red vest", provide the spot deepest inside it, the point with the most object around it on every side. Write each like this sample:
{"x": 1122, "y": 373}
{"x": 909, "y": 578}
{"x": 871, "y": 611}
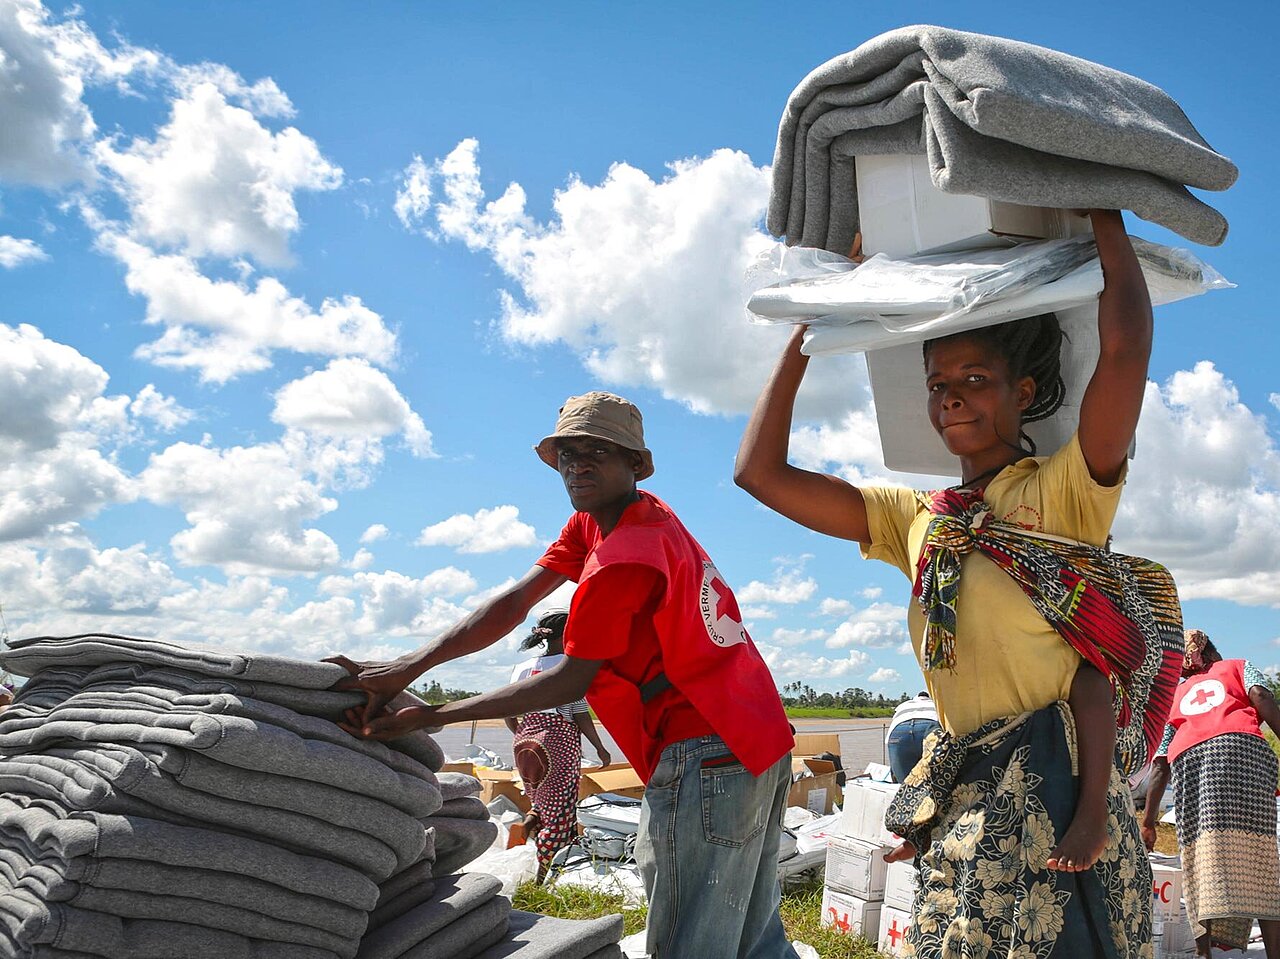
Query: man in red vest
{"x": 655, "y": 640}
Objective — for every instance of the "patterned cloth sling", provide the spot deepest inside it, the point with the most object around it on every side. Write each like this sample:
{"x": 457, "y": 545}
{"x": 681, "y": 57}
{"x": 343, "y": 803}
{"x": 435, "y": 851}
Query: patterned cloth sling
{"x": 1121, "y": 613}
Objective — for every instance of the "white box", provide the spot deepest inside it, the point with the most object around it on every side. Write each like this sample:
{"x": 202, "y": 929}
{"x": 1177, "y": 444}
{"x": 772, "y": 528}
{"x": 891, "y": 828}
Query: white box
{"x": 856, "y": 868}
{"x": 910, "y": 443}
{"x": 1166, "y": 893}
{"x": 865, "y": 803}
{"x": 849, "y": 914}
{"x": 900, "y": 884}
{"x": 894, "y": 924}
{"x": 901, "y": 213}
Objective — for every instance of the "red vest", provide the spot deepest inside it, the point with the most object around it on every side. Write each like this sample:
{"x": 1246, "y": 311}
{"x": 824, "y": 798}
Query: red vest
{"x": 706, "y": 652}
{"x": 1209, "y": 704}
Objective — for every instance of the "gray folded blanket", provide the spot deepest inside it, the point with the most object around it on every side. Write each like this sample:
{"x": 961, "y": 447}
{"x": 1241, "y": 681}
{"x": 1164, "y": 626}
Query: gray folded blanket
{"x": 543, "y": 937}
{"x": 996, "y": 118}
{"x": 458, "y": 841}
{"x": 451, "y": 898}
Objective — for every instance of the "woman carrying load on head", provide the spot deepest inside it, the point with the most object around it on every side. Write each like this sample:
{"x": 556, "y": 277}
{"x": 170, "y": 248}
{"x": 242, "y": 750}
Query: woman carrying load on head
{"x": 1226, "y": 797}
{"x": 1025, "y": 840}
{"x": 548, "y": 748}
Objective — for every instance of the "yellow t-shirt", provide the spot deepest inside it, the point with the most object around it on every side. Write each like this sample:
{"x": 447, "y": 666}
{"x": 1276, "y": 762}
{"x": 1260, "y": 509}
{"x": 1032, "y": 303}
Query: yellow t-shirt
{"x": 1008, "y": 658}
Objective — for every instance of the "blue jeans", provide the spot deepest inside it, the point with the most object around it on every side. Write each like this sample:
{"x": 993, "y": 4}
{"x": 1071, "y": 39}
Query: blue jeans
{"x": 708, "y": 852}
{"x": 906, "y": 744}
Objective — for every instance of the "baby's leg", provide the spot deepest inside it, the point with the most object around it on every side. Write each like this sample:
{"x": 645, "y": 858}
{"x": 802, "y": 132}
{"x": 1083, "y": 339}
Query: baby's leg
{"x": 1086, "y": 837}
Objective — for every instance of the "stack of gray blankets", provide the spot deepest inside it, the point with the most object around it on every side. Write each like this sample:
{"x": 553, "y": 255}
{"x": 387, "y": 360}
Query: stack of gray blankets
{"x": 996, "y": 118}
{"x": 160, "y": 801}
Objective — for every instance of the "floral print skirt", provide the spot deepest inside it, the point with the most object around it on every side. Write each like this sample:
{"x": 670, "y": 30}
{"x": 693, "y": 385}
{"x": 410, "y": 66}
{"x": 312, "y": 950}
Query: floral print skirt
{"x": 985, "y": 810}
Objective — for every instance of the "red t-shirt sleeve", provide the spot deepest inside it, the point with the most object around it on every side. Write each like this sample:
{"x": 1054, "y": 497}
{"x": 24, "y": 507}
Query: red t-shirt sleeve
{"x": 602, "y": 609}
{"x": 567, "y": 554}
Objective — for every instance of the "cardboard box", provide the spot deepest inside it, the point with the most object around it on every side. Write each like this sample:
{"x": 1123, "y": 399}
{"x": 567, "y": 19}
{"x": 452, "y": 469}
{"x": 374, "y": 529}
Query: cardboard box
{"x": 902, "y": 213}
{"x": 817, "y": 792}
{"x": 856, "y": 868}
{"x": 618, "y": 778}
{"x": 459, "y": 767}
{"x": 849, "y": 914}
{"x": 900, "y": 885}
{"x": 865, "y": 804}
{"x": 894, "y": 924}
{"x": 815, "y": 744}
{"x": 1166, "y": 893}
{"x": 502, "y": 782}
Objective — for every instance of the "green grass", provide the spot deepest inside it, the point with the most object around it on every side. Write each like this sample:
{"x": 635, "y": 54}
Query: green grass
{"x": 838, "y": 712}
{"x": 801, "y": 915}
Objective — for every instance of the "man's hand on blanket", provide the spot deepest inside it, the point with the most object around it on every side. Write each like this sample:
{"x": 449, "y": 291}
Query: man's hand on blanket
{"x": 904, "y": 850}
{"x": 855, "y": 251}
{"x": 382, "y": 682}
{"x": 392, "y": 724}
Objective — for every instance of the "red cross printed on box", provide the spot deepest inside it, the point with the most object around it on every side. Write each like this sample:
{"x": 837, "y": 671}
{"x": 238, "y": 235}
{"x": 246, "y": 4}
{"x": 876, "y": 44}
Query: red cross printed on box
{"x": 895, "y": 933}
{"x": 841, "y": 923}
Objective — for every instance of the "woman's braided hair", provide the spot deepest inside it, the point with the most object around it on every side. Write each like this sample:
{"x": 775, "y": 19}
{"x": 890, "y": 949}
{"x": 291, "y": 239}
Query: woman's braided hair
{"x": 550, "y": 626}
{"x": 1031, "y": 347}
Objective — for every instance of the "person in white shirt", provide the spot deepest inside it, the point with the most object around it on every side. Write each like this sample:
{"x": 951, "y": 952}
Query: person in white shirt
{"x": 548, "y": 748}
{"x": 912, "y": 721}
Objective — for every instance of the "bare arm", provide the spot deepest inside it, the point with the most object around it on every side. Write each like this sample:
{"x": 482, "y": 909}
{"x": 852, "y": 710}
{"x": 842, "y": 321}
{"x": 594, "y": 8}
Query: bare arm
{"x": 588, "y": 729}
{"x": 563, "y": 683}
{"x": 1111, "y": 404}
{"x": 484, "y": 627}
{"x": 1265, "y": 704}
{"x": 1155, "y": 793}
{"x": 513, "y": 724}
{"x": 819, "y": 501}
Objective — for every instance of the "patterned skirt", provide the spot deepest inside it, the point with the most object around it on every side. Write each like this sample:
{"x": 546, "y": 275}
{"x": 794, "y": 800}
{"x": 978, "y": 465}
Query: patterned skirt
{"x": 1226, "y": 807}
{"x": 985, "y": 810}
{"x": 548, "y": 754}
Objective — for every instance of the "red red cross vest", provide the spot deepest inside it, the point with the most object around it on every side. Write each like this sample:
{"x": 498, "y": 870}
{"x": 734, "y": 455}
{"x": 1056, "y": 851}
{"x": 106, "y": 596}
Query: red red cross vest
{"x": 1209, "y": 704}
{"x": 706, "y": 652}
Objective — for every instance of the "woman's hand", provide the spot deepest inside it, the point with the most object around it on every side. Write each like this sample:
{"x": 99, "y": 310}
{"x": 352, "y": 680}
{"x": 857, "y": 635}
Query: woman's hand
{"x": 604, "y": 757}
{"x": 904, "y": 850}
{"x": 381, "y": 682}
{"x": 392, "y": 724}
{"x": 1149, "y": 836}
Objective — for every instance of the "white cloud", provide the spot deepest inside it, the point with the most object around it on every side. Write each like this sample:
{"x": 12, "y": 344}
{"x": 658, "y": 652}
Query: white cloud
{"x": 644, "y": 280}
{"x": 413, "y": 198}
{"x": 871, "y": 592}
{"x": 487, "y": 531}
{"x": 14, "y": 251}
{"x": 790, "y": 665}
{"x": 374, "y": 533}
{"x": 223, "y": 328}
{"x": 789, "y": 586}
{"x": 51, "y": 411}
{"x": 362, "y": 559}
{"x": 216, "y": 182}
{"x": 835, "y": 607}
{"x": 795, "y": 637}
{"x": 1275, "y": 400}
{"x": 1203, "y": 494}
{"x": 164, "y": 411}
{"x": 350, "y": 399}
{"x": 884, "y": 675}
{"x": 45, "y": 120}
{"x": 851, "y": 449}
{"x": 879, "y": 626}
{"x": 248, "y": 508}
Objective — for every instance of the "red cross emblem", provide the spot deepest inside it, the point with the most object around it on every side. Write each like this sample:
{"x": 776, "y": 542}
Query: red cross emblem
{"x": 726, "y": 604}
{"x": 895, "y": 933}
{"x": 720, "y": 612}
{"x": 1202, "y": 696}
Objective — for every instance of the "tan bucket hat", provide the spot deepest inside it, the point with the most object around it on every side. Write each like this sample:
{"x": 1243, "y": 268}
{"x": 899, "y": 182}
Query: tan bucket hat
{"x": 603, "y": 416}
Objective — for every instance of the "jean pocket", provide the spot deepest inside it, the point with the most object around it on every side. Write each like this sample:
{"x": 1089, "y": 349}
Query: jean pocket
{"x": 732, "y": 813}
{"x": 666, "y": 774}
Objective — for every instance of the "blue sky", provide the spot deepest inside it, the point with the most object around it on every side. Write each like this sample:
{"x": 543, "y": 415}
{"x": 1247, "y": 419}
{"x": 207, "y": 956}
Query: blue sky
{"x": 289, "y": 291}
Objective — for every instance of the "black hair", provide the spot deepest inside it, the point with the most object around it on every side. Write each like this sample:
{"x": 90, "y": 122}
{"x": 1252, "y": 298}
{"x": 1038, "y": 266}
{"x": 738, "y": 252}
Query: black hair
{"x": 1030, "y": 347}
{"x": 550, "y": 626}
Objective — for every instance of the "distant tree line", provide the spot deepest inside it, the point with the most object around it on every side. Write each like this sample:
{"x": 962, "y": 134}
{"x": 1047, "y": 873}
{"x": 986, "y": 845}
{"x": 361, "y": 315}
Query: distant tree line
{"x": 802, "y": 694}
{"x": 435, "y": 694}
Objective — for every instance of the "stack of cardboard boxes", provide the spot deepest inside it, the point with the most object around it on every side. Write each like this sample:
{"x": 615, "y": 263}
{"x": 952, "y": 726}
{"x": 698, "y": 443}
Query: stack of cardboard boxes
{"x": 1172, "y": 936}
{"x": 864, "y": 895}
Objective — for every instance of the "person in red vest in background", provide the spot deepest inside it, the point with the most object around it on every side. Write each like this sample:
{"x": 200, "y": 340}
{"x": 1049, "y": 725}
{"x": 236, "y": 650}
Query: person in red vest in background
{"x": 1226, "y": 797}
{"x": 656, "y": 642}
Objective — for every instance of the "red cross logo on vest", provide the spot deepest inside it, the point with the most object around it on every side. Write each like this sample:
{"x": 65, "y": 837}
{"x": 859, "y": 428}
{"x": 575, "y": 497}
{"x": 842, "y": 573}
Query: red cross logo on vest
{"x": 1202, "y": 697}
{"x": 720, "y": 613}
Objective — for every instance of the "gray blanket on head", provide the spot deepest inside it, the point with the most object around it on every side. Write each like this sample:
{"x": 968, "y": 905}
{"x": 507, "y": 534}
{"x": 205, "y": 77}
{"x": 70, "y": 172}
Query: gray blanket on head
{"x": 996, "y": 118}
